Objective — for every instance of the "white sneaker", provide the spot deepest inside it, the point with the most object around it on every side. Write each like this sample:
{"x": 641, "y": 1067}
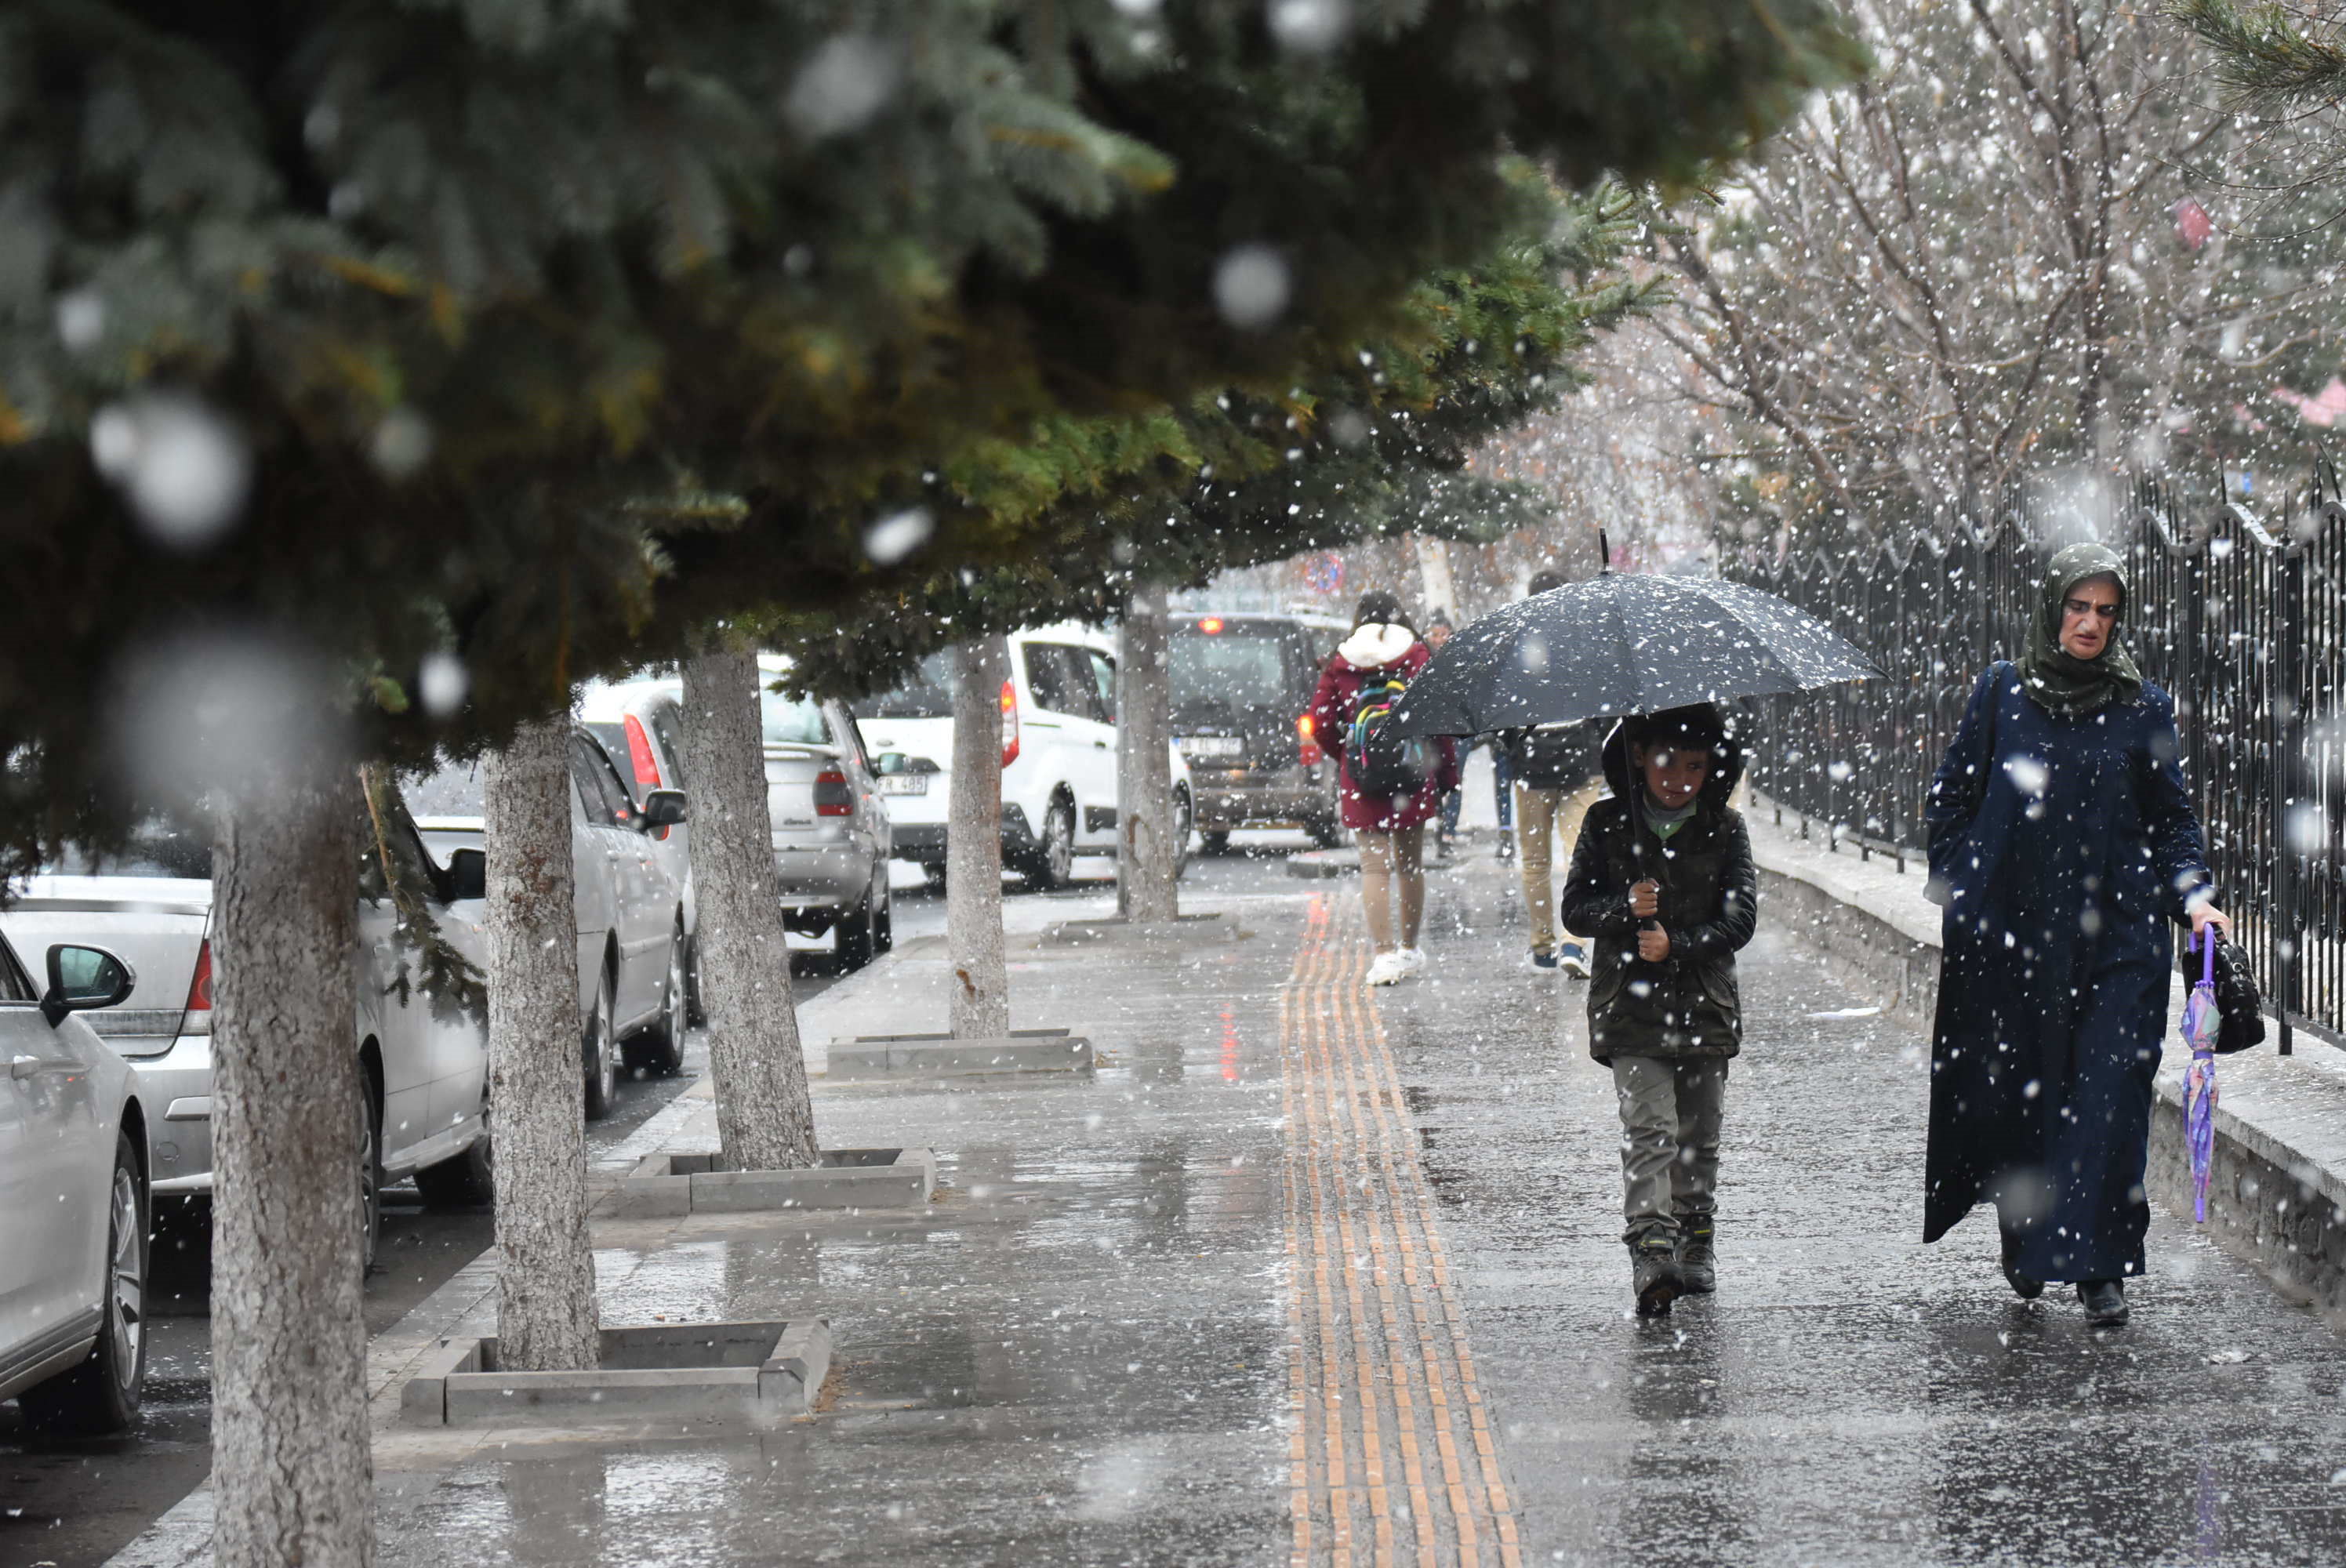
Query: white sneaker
{"x": 1574, "y": 958}
{"x": 1385, "y": 970}
{"x": 1413, "y": 959}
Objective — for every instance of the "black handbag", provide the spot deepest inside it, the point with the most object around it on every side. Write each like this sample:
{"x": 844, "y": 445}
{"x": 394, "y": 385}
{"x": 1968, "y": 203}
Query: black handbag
{"x": 2240, "y": 1007}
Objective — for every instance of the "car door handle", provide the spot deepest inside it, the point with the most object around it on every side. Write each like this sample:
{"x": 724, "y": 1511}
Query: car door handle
{"x": 23, "y": 1066}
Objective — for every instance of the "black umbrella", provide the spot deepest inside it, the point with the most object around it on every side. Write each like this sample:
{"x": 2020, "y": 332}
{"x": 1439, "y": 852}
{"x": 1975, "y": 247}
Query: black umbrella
{"x": 1623, "y": 642}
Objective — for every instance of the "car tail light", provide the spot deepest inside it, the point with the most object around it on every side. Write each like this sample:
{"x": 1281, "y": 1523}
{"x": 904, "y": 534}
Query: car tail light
{"x": 1211, "y": 626}
{"x": 1307, "y": 741}
{"x": 833, "y": 798}
{"x": 1009, "y": 723}
{"x": 197, "y": 1019}
{"x": 641, "y": 758}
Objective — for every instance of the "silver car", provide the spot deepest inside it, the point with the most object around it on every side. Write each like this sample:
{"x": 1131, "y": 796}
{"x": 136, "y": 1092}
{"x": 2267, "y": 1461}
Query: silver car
{"x": 831, "y": 838}
{"x": 641, "y": 724}
{"x": 73, "y": 1183}
{"x": 630, "y": 901}
{"x": 426, "y": 1112}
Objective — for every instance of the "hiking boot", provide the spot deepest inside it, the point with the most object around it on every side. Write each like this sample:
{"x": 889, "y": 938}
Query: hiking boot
{"x": 2105, "y": 1302}
{"x": 1574, "y": 958}
{"x": 1654, "y": 1273}
{"x": 1698, "y": 1264}
{"x": 2025, "y": 1287}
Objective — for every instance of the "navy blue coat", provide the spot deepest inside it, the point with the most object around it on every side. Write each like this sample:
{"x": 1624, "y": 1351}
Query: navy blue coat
{"x": 2063, "y": 875}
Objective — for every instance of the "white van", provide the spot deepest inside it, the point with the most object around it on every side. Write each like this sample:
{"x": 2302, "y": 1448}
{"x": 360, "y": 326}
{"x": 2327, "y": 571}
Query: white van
{"x": 1058, "y": 755}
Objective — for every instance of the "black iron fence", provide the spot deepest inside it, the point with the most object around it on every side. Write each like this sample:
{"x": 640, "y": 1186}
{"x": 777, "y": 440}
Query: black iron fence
{"x": 2241, "y": 618}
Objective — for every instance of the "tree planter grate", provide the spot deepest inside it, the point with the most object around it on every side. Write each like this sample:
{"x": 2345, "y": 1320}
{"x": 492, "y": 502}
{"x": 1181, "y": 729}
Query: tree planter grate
{"x": 892, "y": 1056}
{"x": 758, "y": 1373}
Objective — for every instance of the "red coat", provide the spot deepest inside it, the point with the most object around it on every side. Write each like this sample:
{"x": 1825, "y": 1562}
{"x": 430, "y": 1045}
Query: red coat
{"x": 1331, "y": 723}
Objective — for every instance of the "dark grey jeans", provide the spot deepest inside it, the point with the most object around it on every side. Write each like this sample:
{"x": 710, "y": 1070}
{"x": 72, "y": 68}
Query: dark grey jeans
{"x": 1670, "y": 1111}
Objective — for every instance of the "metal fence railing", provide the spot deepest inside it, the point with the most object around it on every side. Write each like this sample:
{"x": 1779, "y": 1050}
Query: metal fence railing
{"x": 2241, "y": 619}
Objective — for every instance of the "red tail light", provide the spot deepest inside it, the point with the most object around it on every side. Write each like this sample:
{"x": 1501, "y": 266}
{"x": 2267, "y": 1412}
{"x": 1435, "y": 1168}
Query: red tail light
{"x": 1009, "y": 723}
{"x": 1303, "y": 737}
{"x": 833, "y": 798}
{"x": 198, "y": 1020}
{"x": 644, "y": 760}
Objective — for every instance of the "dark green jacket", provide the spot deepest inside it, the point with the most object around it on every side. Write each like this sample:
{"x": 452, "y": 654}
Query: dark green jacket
{"x": 1686, "y": 1005}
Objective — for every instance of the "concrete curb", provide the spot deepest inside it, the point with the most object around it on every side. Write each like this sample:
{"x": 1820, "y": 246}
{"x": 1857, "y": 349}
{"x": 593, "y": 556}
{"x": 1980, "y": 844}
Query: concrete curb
{"x": 1321, "y": 863}
{"x": 759, "y": 1372}
{"x": 895, "y": 1056}
{"x": 2276, "y": 1189}
{"x": 664, "y": 1184}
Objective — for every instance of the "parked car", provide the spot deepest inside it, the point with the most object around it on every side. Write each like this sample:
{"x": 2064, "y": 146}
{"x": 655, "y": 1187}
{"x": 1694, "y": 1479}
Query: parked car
{"x": 72, "y": 1182}
{"x": 1058, "y": 755}
{"x": 630, "y": 903}
{"x": 641, "y": 724}
{"x": 425, "y": 1114}
{"x": 1241, "y": 686}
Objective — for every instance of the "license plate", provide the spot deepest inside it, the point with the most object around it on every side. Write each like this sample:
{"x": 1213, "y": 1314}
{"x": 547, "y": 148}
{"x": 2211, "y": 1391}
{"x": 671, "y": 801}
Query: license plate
{"x": 1212, "y": 746}
{"x": 904, "y": 784}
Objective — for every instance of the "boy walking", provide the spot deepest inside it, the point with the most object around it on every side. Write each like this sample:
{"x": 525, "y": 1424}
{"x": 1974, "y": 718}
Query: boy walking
{"x": 1663, "y": 884}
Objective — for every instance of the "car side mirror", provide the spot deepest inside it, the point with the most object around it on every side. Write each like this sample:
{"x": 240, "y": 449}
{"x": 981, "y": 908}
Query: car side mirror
{"x": 889, "y": 763}
{"x": 82, "y": 978}
{"x": 468, "y": 875}
{"x": 666, "y": 809}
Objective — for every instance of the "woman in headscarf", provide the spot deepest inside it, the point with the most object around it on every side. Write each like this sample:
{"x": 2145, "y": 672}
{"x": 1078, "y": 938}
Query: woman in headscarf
{"x": 2064, "y": 843}
{"x": 1384, "y": 654}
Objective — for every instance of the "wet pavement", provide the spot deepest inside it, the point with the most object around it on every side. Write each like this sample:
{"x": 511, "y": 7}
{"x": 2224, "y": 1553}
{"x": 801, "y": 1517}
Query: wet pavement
{"x": 1311, "y": 1273}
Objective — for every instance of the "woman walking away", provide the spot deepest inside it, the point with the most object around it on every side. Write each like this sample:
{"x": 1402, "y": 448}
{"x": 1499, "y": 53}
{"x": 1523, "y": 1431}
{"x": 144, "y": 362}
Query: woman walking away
{"x": 2063, "y": 842}
{"x": 1387, "y": 811}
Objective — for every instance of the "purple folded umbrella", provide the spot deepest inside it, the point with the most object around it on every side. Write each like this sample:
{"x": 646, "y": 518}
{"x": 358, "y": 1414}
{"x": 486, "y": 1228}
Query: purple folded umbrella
{"x": 2199, "y": 1024}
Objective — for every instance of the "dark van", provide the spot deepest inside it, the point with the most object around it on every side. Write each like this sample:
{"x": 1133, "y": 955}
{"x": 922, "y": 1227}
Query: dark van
{"x": 1240, "y": 684}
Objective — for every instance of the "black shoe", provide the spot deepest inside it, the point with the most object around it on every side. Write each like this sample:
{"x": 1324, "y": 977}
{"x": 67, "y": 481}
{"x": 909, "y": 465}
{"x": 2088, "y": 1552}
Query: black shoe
{"x": 2105, "y": 1302}
{"x": 2025, "y": 1287}
{"x": 1654, "y": 1273}
{"x": 1698, "y": 1264}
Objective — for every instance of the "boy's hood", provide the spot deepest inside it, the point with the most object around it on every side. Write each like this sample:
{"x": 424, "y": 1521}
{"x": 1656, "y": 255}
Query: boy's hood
{"x": 1374, "y": 645}
{"x": 1726, "y": 771}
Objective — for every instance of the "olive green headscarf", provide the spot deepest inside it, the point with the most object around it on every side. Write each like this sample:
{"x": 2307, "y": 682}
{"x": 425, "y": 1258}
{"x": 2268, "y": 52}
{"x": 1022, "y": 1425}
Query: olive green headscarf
{"x": 2059, "y": 681}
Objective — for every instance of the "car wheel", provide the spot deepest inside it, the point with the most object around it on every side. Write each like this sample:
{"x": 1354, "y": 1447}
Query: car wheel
{"x": 1053, "y": 860}
{"x": 886, "y": 941}
{"x": 1215, "y": 843}
{"x": 694, "y": 1013}
{"x": 101, "y": 1394}
{"x": 934, "y": 872}
{"x": 370, "y": 1178}
{"x": 662, "y": 1051}
{"x": 468, "y": 1181}
{"x": 602, "y": 1056}
{"x": 858, "y": 934}
{"x": 1184, "y": 819}
{"x": 1327, "y": 832}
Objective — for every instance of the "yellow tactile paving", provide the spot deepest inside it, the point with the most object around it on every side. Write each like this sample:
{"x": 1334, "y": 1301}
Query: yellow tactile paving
{"x": 1392, "y": 1457}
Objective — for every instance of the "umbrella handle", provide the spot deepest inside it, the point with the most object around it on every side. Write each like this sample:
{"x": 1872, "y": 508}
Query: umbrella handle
{"x": 2206, "y": 944}
{"x": 1604, "y": 552}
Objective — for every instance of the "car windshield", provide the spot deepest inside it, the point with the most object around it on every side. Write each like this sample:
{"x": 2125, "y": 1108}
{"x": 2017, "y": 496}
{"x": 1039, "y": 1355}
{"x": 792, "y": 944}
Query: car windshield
{"x": 792, "y": 720}
{"x": 1230, "y": 671}
{"x": 156, "y": 847}
{"x": 454, "y": 791}
{"x": 928, "y": 694}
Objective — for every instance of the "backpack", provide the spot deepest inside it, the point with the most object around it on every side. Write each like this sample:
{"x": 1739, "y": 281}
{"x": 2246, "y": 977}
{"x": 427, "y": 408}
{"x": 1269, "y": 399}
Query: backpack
{"x": 1553, "y": 757}
{"x": 1382, "y": 763}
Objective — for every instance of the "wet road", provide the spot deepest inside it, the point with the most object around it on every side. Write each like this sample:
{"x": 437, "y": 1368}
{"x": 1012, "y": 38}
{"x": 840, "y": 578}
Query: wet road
{"x": 70, "y": 1503}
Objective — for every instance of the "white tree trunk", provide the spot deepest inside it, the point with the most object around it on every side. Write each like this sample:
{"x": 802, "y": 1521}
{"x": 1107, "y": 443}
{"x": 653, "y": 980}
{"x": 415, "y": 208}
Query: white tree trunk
{"x": 765, "y": 1119}
{"x": 981, "y": 989}
{"x": 1148, "y": 862}
{"x": 546, "y": 1317}
{"x": 292, "y": 1470}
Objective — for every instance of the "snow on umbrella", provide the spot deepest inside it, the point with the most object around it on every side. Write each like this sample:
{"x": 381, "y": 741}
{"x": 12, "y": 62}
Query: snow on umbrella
{"x": 1623, "y": 642}
{"x": 2200, "y": 1022}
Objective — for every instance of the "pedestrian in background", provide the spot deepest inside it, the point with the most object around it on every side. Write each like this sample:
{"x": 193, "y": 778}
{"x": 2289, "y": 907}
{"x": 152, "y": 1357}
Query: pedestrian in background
{"x": 1663, "y": 882}
{"x": 2063, "y": 842}
{"x": 1390, "y": 829}
{"x": 1445, "y": 838}
{"x": 1554, "y": 773}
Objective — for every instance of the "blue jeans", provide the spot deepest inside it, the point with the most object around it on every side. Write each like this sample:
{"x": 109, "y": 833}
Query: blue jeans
{"x": 1503, "y": 777}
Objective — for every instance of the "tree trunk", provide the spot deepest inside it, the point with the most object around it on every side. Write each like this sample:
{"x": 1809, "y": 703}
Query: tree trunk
{"x": 292, "y": 1469}
{"x": 765, "y": 1119}
{"x": 1148, "y": 862}
{"x": 981, "y": 991}
{"x": 545, "y": 1292}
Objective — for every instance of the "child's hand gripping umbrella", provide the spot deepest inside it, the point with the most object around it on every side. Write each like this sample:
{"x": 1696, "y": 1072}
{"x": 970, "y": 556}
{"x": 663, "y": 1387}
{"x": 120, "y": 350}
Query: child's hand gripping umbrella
{"x": 2200, "y": 1022}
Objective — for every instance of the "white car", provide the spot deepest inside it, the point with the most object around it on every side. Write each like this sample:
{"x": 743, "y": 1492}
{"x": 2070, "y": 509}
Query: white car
{"x": 72, "y": 1182}
{"x": 641, "y": 724}
{"x": 1058, "y": 755}
{"x": 427, "y": 1110}
{"x": 629, "y": 902}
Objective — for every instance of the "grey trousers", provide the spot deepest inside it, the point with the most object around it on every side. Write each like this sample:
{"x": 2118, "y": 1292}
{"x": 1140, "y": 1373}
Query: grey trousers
{"x": 1670, "y": 1111}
